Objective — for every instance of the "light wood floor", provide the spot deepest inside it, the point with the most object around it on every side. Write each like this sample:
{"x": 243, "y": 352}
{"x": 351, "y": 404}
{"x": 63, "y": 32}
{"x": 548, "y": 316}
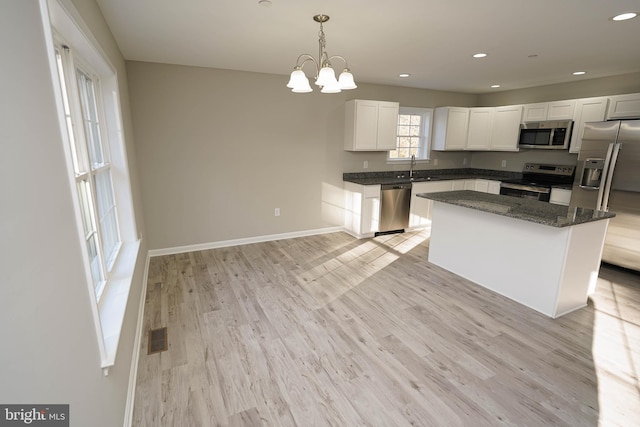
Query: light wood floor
{"x": 333, "y": 331}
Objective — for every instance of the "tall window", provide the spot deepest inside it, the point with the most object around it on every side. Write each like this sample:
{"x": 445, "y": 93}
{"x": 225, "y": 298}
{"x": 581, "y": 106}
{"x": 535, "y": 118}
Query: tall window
{"x": 92, "y": 166}
{"x": 414, "y": 134}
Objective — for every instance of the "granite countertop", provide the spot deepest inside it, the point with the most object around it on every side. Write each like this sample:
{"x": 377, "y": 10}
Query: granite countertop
{"x": 524, "y": 209}
{"x": 422, "y": 175}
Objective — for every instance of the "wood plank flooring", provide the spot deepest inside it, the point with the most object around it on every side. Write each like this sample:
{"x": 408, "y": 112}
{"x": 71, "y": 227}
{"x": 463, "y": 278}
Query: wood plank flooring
{"x": 332, "y": 331}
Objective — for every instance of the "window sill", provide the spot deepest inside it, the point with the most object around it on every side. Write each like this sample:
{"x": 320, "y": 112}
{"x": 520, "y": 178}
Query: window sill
{"x": 114, "y": 302}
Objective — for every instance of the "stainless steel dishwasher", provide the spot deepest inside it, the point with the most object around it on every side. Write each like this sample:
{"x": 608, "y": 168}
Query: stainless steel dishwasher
{"x": 395, "y": 200}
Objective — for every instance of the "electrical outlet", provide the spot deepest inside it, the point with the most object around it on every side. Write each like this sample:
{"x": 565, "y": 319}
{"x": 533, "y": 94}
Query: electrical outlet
{"x": 365, "y": 165}
{"x": 464, "y": 161}
{"x": 504, "y": 164}
{"x": 276, "y": 212}
{"x": 435, "y": 162}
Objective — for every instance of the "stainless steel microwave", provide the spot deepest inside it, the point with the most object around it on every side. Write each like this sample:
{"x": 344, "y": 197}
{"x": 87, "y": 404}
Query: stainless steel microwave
{"x": 549, "y": 135}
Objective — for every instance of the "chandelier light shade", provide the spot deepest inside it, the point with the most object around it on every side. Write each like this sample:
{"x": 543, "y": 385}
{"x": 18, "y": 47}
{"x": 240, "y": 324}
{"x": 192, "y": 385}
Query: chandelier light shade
{"x": 325, "y": 75}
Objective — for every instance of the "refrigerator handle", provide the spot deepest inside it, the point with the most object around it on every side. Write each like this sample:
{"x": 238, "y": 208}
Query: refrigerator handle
{"x": 612, "y": 154}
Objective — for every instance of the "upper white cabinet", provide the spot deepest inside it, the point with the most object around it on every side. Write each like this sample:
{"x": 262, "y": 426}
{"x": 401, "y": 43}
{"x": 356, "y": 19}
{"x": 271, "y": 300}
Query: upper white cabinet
{"x": 624, "y": 106}
{"x": 506, "y": 128}
{"x": 535, "y": 112}
{"x": 480, "y": 127}
{"x": 557, "y": 110}
{"x": 450, "y": 126}
{"x": 587, "y": 110}
{"x": 494, "y": 128}
{"x": 370, "y": 125}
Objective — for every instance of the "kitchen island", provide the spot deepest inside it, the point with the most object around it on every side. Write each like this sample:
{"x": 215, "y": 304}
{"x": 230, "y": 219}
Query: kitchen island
{"x": 544, "y": 256}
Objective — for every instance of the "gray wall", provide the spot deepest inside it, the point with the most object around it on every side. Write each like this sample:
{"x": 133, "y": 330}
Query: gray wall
{"x": 628, "y": 83}
{"x": 220, "y": 150}
{"x": 49, "y": 348}
{"x": 581, "y": 88}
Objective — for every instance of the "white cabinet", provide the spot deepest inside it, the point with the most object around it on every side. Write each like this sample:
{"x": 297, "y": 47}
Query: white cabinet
{"x": 560, "y": 196}
{"x": 494, "y": 129}
{"x": 494, "y": 187}
{"x": 482, "y": 185}
{"x": 370, "y": 125}
{"x": 624, "y": 106}
{"x": 480, "y": 127}
{"x": 450, "y": 125}
{"x": 587, "y": 110}
{"x": 420, "y": 212}
{"x": 561, "y": 110}
{"x": 362, "y": 209}
{"x": 506, "y": 128}
{"x": 458, "y": 184}
{"x": 535, "y": 112}
{"x": 557, "y": 110}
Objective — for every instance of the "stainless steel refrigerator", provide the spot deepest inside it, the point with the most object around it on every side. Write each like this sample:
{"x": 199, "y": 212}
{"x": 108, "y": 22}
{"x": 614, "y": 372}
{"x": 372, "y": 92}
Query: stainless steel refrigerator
{"x": 608, "y": 178}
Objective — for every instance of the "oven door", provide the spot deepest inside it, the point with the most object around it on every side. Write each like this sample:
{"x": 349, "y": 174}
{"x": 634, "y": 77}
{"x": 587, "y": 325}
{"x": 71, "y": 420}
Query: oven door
{"x": 525, "y": 191}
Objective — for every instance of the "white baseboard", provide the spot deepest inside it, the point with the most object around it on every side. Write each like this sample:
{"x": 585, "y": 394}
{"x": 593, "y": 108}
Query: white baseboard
{"x": 133, "y": 372}
{"x": 245, "y": 241}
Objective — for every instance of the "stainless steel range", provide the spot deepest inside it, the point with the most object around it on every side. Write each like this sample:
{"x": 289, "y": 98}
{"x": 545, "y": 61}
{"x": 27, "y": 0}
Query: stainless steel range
{"x": 537, "y": 180}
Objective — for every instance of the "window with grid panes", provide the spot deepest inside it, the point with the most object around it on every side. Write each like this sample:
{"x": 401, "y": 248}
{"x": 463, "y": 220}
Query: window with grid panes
{"x": 92, "y": 168}
{"x": 413, "y": 136}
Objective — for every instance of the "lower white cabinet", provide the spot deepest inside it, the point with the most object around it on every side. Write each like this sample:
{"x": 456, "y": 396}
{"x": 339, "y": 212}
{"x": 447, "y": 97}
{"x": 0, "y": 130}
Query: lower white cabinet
{"x": 420, "y": 211}
{"x": 560, "y": 196}
{"x": 482, "y": 185}
{"x": 362, "y": 209}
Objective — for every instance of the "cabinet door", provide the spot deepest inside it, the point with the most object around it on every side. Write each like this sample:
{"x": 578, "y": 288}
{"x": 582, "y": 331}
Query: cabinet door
{"x": 482, "y": 185}
{"x": 387, "y": 125}
{"x": 450, "y": 128}
{"x": 420, "y": 211}
{"x": 370, "y": 210}
{"x": 535, "y": 112}
{"x": 506, "y": 128}
{"x": 587, "y": 110}
{"x": 560, "y": 196}
{"x": 480, "y": 125}
{"x": 366, "y": 125}
{"x": 494, "y": 187}
{"x": 458, "y": 184}
{"x": 470, "y": 184}
{"x": 624, "y": 106}
{"x": 561, "y": 110}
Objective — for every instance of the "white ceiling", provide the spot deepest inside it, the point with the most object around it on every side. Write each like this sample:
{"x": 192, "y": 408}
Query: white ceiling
{"x": 432, "y": 40}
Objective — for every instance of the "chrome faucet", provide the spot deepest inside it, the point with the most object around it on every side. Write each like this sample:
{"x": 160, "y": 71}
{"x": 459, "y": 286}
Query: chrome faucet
{"x": 413, "y": 163}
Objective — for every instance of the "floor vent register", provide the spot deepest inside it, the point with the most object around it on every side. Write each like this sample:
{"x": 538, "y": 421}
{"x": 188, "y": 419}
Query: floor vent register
{"x": 157, "y": 340}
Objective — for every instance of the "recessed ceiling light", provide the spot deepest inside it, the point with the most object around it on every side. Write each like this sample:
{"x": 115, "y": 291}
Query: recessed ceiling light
{"x": 495, "y": 86}
{"x": 479, "y": 55}
{"x": 404, "y": 75}
{"x": 579, "y": 73}
{"x": 624, "y": 16}
{"x": 264, "y": 3}
{"x": 534, "y": 55}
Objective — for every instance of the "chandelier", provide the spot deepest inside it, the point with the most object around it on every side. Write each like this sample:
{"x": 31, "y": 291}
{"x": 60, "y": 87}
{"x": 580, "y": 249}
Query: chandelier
{"x": 325, "y": 75}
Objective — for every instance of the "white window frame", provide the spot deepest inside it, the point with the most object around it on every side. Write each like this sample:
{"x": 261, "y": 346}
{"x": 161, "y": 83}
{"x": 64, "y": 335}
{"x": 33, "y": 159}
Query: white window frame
{"x": 84, "y": 169}
{"x": 425, "y": 134}
{"x": 63, "y": 25}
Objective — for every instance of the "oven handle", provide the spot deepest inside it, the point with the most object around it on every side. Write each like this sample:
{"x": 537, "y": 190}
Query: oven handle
{"x": 589, "y": 187}
{"x": 542, "y": 190}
